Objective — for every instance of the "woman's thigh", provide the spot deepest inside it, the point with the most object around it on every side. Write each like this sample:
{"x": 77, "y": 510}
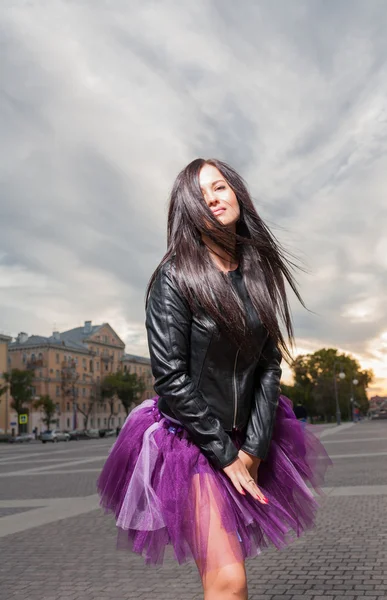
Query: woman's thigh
{"x": 214, "y": 547}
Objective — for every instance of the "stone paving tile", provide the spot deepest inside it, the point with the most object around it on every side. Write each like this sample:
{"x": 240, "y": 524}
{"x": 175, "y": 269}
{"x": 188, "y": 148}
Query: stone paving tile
{"x": 81, "y": 561}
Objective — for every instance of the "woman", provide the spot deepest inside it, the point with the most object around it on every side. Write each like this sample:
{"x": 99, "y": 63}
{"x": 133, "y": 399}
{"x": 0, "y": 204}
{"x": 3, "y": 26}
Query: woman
{"x": 216, "y": 464}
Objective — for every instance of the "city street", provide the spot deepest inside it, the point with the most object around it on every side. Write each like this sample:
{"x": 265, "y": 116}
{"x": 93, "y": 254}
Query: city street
{"x": 55, "y": 544}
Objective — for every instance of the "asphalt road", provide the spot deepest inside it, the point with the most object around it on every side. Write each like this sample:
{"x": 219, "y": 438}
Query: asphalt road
{"x": 55, "y": 544}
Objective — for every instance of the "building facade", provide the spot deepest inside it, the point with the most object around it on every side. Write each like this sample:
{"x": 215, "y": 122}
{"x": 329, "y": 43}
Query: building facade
{"x": 5, "y": 399}
{"x": 69, "y": 367}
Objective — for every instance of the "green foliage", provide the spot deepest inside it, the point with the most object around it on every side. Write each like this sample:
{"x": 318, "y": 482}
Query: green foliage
{"x": 20, "y": 384}
{"x": 3, "y": 389}
{"x": 127, "y": 387}
{"x": 48, "y": 408}
{"x": 314, "y": 383}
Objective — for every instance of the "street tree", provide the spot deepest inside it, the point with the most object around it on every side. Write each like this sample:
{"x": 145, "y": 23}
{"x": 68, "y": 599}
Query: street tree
{"x": 48, "y": 407}
{"x": 130, "y": 389}
{"x": 314, "y": 383}
{"x": 86, "y": 408}
{"x": 109, "y": 393}
{"x": 127, "y": 387}
{"x": 20, "y": 386}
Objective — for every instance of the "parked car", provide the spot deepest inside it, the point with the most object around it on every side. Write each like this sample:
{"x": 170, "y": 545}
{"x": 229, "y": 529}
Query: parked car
{"x": 78, "y": 434}
{"x": 107, "y": 432}
{"x": 93, "y": 433}
{"x": 54, "y": 435}
{"x": 23, "y": 437}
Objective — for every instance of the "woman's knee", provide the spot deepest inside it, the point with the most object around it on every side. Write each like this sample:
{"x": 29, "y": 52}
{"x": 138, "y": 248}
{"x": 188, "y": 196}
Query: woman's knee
{"x": 229, "y": 581}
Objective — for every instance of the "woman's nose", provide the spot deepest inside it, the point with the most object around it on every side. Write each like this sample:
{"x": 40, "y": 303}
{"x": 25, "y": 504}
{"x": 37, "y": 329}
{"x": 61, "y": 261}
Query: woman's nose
{"x": 212, "y": 199}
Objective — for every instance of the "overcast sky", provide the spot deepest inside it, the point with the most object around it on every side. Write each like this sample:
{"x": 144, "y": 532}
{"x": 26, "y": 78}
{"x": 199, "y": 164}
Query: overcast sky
{"x": 103, "y": 102}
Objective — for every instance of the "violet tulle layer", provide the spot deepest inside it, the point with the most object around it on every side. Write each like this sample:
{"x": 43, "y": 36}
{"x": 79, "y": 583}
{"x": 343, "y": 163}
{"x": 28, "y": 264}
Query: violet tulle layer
{"x": 164, "y": 492}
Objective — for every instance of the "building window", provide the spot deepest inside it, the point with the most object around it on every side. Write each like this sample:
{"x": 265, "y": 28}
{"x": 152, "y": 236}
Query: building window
{"x": 105, "y": 421}
{"x": 68, "y": 423}
{"x": 92, "y": 422}
{"x": 98, "y": 379}
{"x": 104, "y": 339}
{"x": 119, "y": 420}
{"x": 57, "y": 390}
{"x": 97, "y": 365}
{"x": 64, "y": 358}
{"x": 97, "y": 351}
{"x": 106, "y": 367}
{"x": 24, "y": 358}
{"x": 57, "y": 375}
{"x": 98, "y": 422}
{"x": 84, "y": 377}
{"x": 57, "y": 358}
{"x": 40, "y": 356}
{"x": 113, "y": 421}
{"x": 68, "y": 406}
{"x": 83, "y": 391}
{"x": 84, "y": 407}
{"x": 33, "y": 357}
{"x": 91, "y": 366}
{"x": 84, "y": 363}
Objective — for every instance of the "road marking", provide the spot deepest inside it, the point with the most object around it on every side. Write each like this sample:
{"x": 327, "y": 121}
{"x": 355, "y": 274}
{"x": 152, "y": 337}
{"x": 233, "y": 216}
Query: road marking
{"x": 48, "y": 468}
{"x": 52, "y": 449}
{"x": 335, "y": 429}
{"x": 357, "y": 441}
{"x": 359, "y": 455}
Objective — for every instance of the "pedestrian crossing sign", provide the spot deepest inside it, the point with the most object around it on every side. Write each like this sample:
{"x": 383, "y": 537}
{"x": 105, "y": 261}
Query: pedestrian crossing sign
{"x": 23, "y": 419}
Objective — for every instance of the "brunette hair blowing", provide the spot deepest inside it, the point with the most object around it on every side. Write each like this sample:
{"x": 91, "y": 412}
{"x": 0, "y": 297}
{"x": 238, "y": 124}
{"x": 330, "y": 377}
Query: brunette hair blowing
{"x": 263, "y": 262}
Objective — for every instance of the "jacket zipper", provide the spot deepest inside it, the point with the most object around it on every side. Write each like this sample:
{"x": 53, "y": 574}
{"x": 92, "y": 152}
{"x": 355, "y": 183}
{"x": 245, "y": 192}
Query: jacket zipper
{"x": 235, "y": 390}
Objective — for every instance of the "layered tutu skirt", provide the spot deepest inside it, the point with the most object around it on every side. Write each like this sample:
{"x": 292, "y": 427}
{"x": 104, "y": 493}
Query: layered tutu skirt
{"x": 164, "y": 492}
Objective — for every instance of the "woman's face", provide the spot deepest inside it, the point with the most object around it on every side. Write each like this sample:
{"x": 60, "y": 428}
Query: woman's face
{"x": 219, "y": 196}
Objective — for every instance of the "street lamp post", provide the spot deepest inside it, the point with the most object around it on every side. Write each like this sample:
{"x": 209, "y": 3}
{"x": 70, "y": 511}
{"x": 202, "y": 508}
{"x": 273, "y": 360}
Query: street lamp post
{"x": 342, "y": 376}
{"x": 352, "y": 400}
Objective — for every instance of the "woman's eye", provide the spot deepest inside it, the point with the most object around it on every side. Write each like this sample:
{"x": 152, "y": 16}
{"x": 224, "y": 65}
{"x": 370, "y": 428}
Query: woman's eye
{"x": 222, "y": 187}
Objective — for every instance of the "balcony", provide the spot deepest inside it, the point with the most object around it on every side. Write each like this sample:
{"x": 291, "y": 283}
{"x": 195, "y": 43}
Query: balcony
{"x": 35, "y": 364}
{"x": 105, "y": 358}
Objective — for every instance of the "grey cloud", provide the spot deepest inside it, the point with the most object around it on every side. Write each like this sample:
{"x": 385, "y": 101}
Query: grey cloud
{"x": 97, "y": 121}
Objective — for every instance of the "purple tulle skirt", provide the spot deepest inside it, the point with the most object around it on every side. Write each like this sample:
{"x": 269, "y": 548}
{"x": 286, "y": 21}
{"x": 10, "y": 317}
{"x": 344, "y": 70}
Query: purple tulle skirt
{"x": 164, "y": 492}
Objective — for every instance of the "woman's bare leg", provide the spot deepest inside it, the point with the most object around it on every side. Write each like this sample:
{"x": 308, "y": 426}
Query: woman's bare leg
{"x": 221, "y": 566}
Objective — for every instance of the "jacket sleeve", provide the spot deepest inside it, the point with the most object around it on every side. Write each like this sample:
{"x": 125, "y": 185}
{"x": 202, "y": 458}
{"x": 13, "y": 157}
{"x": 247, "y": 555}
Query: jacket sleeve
{"x": 267, "y": 381}
{"x": 168, "y": 322}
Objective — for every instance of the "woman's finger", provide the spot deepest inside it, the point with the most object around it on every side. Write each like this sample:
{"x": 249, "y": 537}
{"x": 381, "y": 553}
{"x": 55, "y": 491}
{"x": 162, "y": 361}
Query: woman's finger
{"x": 251, "y": 487}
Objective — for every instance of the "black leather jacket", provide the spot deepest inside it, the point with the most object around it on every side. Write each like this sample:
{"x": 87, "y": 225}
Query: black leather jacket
{"x": 204, "y": 380}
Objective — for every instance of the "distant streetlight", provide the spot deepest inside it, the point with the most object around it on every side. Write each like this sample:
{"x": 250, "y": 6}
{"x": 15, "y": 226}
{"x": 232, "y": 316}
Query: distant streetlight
{"x": 342, "y": 376}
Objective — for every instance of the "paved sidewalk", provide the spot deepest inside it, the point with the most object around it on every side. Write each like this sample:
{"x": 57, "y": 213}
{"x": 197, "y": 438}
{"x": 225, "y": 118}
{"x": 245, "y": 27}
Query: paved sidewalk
{"x": 55, "y": 544}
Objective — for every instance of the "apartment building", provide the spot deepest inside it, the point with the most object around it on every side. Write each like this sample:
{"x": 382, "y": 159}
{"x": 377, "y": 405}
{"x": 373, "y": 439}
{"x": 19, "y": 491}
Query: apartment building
{"x": 69, "y": 367}
{"x": 5, "y": 409}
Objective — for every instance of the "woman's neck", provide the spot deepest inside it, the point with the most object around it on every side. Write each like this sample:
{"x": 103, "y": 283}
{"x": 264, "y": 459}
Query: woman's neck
{"x": 222, "y": 260}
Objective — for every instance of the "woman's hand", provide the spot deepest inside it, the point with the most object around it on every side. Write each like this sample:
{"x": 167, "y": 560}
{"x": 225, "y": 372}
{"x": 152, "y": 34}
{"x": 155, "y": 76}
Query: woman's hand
{"x": 242, "y": 479}
{"x": 251, "y": 462}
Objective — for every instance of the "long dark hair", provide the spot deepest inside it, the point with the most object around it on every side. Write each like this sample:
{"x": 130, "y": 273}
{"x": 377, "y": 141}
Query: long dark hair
{"x": 264, "y": 264}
